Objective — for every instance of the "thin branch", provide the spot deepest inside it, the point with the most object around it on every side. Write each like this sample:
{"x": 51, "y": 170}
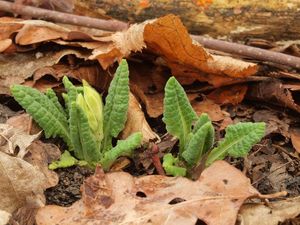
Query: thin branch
{"x": 251, "y": 52}
{"x": 34, "y": 12}
{"x": 115, "y": 25}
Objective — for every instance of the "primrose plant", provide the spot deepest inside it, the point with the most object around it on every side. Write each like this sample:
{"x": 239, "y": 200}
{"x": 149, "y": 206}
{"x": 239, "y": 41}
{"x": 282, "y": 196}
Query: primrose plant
{"x": 85, "y": 125}
{"x": 196, "y": 134}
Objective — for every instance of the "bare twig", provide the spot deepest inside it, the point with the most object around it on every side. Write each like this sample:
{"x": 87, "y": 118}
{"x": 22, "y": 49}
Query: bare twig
{"x": 251, "y": 52}
{"x": 34, "y": 12}
{"x": 115, "y": 25}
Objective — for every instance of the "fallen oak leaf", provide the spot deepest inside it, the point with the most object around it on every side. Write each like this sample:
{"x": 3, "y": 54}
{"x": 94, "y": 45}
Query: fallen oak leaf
{"x": 119, "y": 198}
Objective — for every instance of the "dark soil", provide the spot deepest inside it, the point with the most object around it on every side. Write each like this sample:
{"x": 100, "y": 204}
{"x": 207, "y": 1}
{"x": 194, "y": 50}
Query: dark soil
{"x": 67, "y": 191}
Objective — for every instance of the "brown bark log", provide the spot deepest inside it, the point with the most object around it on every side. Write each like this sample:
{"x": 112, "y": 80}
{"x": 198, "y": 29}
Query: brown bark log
{"x": 235, "y": 19}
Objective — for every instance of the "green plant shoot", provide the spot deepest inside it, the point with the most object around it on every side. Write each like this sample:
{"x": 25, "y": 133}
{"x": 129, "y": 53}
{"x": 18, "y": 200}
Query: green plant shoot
{"x": 85, "y": 125}
{"x": 196, "y": 134}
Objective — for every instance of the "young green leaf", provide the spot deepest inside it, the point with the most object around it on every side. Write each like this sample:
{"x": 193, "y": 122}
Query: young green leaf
{"x": 123, "y": 148}
{"x": 90, "y": 147}
{"x": 66, "y": 160}
{"x": 116, "y": 105}
{"x": 52, "y": 96}
{"x": 170, "y": 166}
{"x": 200, "y": 143}
{"x": 239, "y": 139}
{"x": 178, "y": 112}
{"x": 74, "y": 127}
{"x": 43, "y": 111}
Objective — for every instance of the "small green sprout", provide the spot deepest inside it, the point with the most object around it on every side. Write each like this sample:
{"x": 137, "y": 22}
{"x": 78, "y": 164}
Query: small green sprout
{"x": 196, "y": 134}
{"x": 85, "y": 125}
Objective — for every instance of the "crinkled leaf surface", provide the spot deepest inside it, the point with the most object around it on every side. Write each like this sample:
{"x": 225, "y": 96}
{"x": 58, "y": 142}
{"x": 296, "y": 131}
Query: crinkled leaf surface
{"x": 43, "y": 111}
{"x": 178, "y": 112}
{"x": 113, "y": 199}
{"x": 238, "y": 141}
{"x": 116, "y": 104}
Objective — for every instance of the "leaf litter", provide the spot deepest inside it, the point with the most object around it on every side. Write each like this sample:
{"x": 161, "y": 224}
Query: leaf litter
{"x": 165, "y": 47}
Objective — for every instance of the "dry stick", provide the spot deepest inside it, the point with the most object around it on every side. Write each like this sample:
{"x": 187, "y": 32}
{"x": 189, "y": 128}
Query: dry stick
{"x": 115, "y": 25}
{"x": 252, "y": 52}
{"x": 34, "y": 12}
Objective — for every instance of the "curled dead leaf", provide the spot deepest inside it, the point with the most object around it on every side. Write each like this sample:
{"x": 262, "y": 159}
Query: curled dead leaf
{"x": 136, "y": 122}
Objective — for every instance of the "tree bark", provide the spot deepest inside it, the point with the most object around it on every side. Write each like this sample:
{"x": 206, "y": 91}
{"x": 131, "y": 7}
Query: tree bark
{"x": 232, "y": 19}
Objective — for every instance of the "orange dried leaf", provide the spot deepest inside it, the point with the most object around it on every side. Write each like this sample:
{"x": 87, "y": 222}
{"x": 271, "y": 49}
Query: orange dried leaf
{"x": 229, "y": 95}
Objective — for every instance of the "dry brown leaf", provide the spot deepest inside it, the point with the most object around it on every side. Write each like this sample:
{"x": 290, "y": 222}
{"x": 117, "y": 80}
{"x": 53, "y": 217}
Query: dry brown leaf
{"x": 114, "y": 198}
{"x": 20, "y": 182}
{"x": 295, "y": 138}
{"x": 207, "y": 106}
{"x": 233, "y": 94}
{"x": 5, "y": 44}
{"x": 275, "y": 123}
{"x": 136, "y": 122}
{"x": 271, "y": 214}
{"x": 273, "y": 92}
{"x": 25, "y": 123}
{"x": 93, "y": 74}
{"x": 16, "y": 68}
{"x": 168, "y": 38}
{"x": 11, "y": 138}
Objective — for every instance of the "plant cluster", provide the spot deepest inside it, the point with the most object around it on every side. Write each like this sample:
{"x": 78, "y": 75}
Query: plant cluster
{"x": 85, "y": 125}
{"x": 88, "y": 127}
{"x": 196, "y": 134}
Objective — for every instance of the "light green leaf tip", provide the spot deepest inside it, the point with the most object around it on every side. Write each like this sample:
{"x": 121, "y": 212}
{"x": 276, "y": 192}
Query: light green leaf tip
{"x": 123, "y": 148}
{"x": 171, "y": 168}
{"x": 239, "y": 139}
{"x": 66, "y": 160}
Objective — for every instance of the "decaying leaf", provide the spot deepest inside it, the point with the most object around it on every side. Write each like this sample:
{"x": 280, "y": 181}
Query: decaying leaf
{"x": 119, "y": 198}
{"x": 233, "y": 94}
{"x": 208, "y": 106}
{"x": 18, "y": 67}
{"x": 11, "y": 138}
{"x": 272, "y": 214}
{"x": 276, "y": 123}
{"x": 273, "y": 92}
{"x": 295, "y": 138}
{"x": 136, "y": 122}
{"x": 20, "y": 182}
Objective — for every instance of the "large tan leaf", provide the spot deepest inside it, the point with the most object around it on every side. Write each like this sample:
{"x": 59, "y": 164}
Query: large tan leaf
{"x": 119, "y": 198}
{"x": 19, "y": 182}
{"x": 168, "y": 38}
